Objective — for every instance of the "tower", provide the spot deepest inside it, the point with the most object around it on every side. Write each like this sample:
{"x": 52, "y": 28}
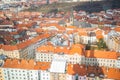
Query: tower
{"x": 71, "y": 17}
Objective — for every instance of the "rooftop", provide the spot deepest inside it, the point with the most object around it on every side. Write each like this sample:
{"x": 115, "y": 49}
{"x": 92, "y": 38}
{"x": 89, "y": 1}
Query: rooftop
{"x": 26, "y": 64}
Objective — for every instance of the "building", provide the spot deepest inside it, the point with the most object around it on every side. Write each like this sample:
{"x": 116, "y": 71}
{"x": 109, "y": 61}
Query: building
{"x": 76, "y": 54}
{"x": 71, "y": 55}
{"x": 24, "y": 70}
{"x": 113, "y": 42}
{"x": 101, "y": 58}
{"x": 14, "y": 69}
{"x": 25, "y": 49}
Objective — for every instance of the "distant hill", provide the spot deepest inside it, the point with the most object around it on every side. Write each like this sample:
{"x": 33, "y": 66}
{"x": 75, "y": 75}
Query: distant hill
{"x": 98, "y": 6}
{"x": 87, "y": 6}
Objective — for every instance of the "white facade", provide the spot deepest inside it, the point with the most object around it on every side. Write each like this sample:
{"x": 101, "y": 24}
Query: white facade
{"x": 45, "y": 57}
{"x": 48, "y": 57}
{"x": 33, "y": 74}
{"x": 15, "y": 74}
{"x": 100, "y": 62}
{"x": 78, "y": 59}
{"x": 44, "y": 75}
{"x": 25, "y": 74}
{"x": 113, "y": 41}
{"x": 70, "y": 77}
{"x": 82, "y": 77}
{"x": 86, "y": 39}
{"x": 118, "y": 63}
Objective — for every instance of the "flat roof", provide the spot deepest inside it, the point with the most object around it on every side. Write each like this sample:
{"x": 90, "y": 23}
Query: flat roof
{"x": 58, "y": 66}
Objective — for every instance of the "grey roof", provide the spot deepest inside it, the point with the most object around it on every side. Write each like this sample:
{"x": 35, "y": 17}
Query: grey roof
{"x": 82, "y": 24}
{"x": 61, "y": 22}
{"x": 3, "y": 57}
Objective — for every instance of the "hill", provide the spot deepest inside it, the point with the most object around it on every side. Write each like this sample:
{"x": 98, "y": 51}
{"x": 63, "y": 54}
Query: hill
{"x": 87, "y": 6}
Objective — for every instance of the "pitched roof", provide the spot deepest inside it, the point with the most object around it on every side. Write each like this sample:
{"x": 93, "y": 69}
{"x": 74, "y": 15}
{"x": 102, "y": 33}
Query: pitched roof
{"x": 24, "y": 44}
{"x": 77, "y": 48}
{"x": 117, "y": 29}
{"x": 73, "y": 69}
{"x": 101, "y": 54}
{"x": 26, "y": 64}
{"x": 9, "y": 47}
{"x": 112, "y": 73}
{"x": 99, "y": 34}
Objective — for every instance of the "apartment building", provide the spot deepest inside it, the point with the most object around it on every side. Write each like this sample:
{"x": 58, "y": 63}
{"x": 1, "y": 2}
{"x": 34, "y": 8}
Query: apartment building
{"x": 77, "y": 55}
{"x": 24, "y": 70}
{"x": 101, "y": 58}
{"x": 26, "y": 49}
{"x": 14, "y": 69}
{"x": 89, "y": 35}
{"x": 85, "y": 37}
{"x": 71, "y": 55}
{"x": 113, "y": 42}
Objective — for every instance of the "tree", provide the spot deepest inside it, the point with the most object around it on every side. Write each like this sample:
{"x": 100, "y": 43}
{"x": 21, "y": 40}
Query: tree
{"x": 101, "y": 44}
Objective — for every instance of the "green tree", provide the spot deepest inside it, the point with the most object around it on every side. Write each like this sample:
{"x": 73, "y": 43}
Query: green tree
{"x": 101, "y": 44}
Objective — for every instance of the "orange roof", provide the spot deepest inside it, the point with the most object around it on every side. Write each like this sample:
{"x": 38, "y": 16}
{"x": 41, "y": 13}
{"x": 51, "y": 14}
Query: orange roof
{"x": 70, "y": 69}
{"x": 77, "y": 48}
{"x": 61, "y": 50}
{"x": 71, "y": 27}
{"x": 70, "y": 32}
{"x": 9, "y": 47}
{"x": 42, "y": 65}
{"x": 25, "y": 43}
{"x": 14, "y": 33}
{"x": 31, "y": 41}
{"x": 26, "y": 64}
{"x": 112, "y": 73}
{"x": 99, "y": 32}
{"x": 48, "y": 48}
{"x": 73, "y": 69}
{"x": 99, "y": 36}
{"x": 117, "y": 29}
{"x": 28, "y": 25}
{"x": 39, "y": 30}
{"x": 101, "y": 54}
{"x": 0, "y": 46}
{"x": 83, "y": 33}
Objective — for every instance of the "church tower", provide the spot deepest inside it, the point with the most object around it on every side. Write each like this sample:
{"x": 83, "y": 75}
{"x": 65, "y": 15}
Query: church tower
{"x": 71, "y": 17}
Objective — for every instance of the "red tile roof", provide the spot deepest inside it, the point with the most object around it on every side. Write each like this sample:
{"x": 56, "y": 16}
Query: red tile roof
{"x": 9, "y": 47}
{"x": 73, "y": 69}
{"x": 77, "y": 48}
{"x": 101, "y": 54}
{"x": 24, "y": 44}
{"x": 26, "y": 64}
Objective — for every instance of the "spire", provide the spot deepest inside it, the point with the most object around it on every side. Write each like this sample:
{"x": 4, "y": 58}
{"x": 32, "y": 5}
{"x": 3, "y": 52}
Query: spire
{"x": 71, "y": 17}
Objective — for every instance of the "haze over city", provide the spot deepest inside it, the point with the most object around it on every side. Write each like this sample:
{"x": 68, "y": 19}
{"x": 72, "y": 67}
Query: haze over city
{"x": 59, "y": 40}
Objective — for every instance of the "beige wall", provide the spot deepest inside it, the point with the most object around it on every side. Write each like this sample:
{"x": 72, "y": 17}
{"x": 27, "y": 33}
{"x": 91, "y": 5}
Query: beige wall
{"x": 1, "y": 74}
{"x": 62, "y": 76}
